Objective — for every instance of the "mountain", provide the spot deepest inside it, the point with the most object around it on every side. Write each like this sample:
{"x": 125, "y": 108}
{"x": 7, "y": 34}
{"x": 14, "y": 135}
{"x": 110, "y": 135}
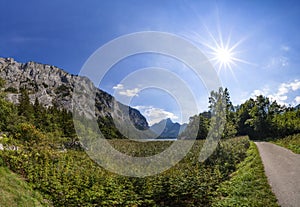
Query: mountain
{"x": 167, "y": 129}
{"x": 54, "y": 86}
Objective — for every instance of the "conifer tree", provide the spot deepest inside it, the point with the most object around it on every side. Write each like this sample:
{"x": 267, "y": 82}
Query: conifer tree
{"x": 25, "y": 108}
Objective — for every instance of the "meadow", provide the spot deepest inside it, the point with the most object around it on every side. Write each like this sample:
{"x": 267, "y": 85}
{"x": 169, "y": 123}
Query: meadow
{"x": 71, "y": 178}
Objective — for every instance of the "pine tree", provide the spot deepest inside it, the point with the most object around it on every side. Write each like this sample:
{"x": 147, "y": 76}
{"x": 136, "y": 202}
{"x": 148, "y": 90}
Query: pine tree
{"x": 25, "y": 108}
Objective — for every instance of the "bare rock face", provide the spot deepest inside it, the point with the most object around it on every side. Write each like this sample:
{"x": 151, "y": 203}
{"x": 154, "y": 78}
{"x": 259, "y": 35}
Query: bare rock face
{"x": 53, "y": 86}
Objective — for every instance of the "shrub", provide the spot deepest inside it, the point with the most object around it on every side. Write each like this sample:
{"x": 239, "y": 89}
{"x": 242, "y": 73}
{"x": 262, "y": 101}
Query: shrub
{"x": 28, "y": 132}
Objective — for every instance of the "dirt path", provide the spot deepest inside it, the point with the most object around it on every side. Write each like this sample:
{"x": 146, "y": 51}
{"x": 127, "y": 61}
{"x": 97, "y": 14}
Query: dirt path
{"x": 282, "y": 168}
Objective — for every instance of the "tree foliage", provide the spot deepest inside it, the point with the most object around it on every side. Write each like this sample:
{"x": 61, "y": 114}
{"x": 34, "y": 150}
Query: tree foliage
{"x": 260, "y": 118}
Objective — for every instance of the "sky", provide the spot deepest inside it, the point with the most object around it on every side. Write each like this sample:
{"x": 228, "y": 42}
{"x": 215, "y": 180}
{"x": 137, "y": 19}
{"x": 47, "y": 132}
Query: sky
{"x": 254, "y": 46}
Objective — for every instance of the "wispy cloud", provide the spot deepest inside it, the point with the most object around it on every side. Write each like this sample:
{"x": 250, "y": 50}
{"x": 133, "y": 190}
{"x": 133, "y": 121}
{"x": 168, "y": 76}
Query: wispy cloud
{"x": 285, "y": 48}
{"x": 277, "y": 62}
{"x": 283, "y": 93}
{"x": 130, "y": 92}
{"x": 280, "y": 59}
{"x": 155, "y": 115}
{"x": 126, "y": 92}
{"x": 118, "y": 87}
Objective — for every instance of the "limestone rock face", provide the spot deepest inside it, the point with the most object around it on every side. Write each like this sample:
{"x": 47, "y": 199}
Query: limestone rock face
{"x": 52, "y": 85}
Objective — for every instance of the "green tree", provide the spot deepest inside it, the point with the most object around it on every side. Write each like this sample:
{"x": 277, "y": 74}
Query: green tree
{"x": 260, "y": 118}
{"x": 230, "y": 125}
{"x": 25, "y": 108}
{"x": 2, "y": 83}
{"x": 203, "y": 126}
{"x": 222, "y": 109}
{"x": 8, "y": 115}
{"x": 218, "y": 108}
{"x": 244, "y": 117}
{"x": 286, "y": 123}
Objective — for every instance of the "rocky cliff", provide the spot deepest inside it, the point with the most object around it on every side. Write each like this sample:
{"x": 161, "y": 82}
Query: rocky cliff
{"x": 54, "y": 86}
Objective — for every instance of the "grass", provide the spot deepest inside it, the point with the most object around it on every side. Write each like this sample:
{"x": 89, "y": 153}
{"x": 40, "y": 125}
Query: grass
{"x": 248, "y": 186}
{"x": 16, "y": 192}
{"x": 291, "y": 142}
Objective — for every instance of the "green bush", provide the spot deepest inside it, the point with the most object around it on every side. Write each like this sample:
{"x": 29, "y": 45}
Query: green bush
{"x": 71, "y": 178}
{"x": 28, "y": 132}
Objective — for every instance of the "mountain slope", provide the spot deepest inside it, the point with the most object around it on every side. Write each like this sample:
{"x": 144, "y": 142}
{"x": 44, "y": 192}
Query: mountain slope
{"x": 53, "y": 86}
{"x": 14, "y": 191}
{"x": 167, "y": 129}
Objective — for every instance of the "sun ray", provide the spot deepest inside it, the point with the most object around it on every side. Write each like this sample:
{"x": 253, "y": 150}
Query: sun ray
{"x": 222, "y": 51}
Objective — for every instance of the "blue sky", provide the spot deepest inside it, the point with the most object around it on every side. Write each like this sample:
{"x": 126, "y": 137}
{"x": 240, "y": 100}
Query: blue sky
{"x": 67, "y": 33}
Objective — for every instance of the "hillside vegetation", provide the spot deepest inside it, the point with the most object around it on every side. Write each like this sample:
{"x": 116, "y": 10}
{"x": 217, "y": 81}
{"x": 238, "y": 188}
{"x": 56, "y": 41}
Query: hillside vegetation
{"x": 15, "y": 191}
{"x": 51, "y": 159}
{"x": 72, "y": 179}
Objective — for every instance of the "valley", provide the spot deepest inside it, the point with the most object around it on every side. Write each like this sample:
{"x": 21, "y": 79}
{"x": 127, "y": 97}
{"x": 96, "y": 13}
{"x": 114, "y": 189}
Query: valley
{"x": 39, "y": 144}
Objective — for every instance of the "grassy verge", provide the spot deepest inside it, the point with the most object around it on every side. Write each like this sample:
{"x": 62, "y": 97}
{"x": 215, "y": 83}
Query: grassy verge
{"x": 16, "y": 192}
{"x": 248, "y": 185}
{"x": 291, "y": 142}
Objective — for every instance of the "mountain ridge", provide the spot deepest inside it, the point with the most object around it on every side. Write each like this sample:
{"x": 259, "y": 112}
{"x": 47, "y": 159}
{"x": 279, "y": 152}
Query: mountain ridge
{"x": 166, "y": 128}
{"x": 54, "y": 86}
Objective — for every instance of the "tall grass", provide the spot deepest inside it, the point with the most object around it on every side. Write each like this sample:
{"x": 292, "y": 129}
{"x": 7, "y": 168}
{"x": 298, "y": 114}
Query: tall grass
{"x": 291, "y": 142}
{"x": 248, "y": 186}
{"x": 15, "y": 192}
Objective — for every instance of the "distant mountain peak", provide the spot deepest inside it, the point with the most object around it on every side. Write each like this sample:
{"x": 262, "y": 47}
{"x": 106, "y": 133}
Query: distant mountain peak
{"x": 166, "y": 128}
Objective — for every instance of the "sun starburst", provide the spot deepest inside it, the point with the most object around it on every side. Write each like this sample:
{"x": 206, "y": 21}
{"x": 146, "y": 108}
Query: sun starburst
{"x": 223, "y": 54}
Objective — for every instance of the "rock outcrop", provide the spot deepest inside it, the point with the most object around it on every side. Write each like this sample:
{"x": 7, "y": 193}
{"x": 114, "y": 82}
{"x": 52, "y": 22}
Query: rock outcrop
{"x": 54, "y": 86}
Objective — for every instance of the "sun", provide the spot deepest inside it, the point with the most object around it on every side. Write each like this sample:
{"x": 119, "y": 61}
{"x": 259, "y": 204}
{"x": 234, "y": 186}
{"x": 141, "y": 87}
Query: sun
{"x": 224, "y": 57}
{"x": 221, "y": 52}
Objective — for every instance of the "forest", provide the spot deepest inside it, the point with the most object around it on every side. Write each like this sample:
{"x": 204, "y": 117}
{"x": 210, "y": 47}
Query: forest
{"x": 260, "y": 118}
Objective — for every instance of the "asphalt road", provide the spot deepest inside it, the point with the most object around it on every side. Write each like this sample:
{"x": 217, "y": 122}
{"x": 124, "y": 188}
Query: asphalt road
{"x": 282, "y": 168}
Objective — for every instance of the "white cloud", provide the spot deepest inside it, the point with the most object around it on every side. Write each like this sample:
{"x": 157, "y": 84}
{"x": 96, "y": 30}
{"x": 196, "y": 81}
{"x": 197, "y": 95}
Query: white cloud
{"x": 295, "y": 85}
{"x": 257, "y": 93}
{"x": 282, "y": 93}
{"x": 130, "y": 92}
{"x": 118, "y": 87}
{"x": 126, "y": 92}
{"x": 283, "y": 89}
{"x": 297, "y": 100}
{"x": 155, "y": 115}
{"x": 263, "y": 92}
